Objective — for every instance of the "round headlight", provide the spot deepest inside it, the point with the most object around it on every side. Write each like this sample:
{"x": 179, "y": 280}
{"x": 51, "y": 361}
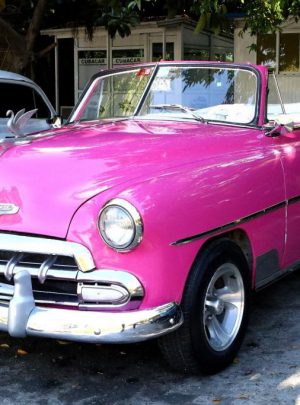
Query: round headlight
{"x": 120, "y": 225}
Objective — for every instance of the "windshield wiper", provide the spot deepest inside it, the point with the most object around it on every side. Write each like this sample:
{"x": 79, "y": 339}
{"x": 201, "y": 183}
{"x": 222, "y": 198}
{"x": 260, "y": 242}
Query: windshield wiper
{"x": 180, "y": 108}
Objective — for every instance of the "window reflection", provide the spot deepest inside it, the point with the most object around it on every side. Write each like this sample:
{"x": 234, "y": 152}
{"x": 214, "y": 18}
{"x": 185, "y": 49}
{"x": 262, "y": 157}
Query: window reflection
{"x": 289, "y": 53}
{"x": 266, "y": 49}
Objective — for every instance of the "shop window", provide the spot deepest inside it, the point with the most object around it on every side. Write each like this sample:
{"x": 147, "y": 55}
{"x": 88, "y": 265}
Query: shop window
{"x": 266, "y": 50}
{"x": 157, "y": 51}
{"x": 196, "y": 54}
{"x": 89, "y": 63}
{"x": 127, "y": 56}
{"x": 289, "y": 45}
{"x": 289, "y": 53}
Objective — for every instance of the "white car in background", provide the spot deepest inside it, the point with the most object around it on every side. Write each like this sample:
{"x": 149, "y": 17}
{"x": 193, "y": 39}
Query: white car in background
{"x": 20, "y": 96}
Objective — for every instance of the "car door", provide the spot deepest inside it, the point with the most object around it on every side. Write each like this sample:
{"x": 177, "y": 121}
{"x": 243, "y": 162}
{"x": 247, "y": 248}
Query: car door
{"x": 287, "y": 146}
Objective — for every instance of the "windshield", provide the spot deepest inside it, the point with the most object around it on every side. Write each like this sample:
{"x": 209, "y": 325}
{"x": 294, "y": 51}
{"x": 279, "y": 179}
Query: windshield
{"x": 204, "y": 92}
{"x": 113, "y": 96}
{"x": 201, "y": 93}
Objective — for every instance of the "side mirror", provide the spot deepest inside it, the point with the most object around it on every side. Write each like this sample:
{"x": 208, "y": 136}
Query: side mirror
{"x": 282, "y": 124}
{"x": 56, "y": 121}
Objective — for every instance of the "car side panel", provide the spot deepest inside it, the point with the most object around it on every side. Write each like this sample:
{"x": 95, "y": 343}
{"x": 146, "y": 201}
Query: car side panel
{"x": 288, "y": 148}
{"x": 189, "y": 201}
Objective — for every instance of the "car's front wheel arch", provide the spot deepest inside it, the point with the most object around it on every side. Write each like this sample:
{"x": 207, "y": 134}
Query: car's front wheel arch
{"x": 214, "y": 326}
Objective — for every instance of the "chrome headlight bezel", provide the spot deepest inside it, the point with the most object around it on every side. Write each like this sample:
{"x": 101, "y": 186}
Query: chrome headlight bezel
{"x": 135, "y": 218}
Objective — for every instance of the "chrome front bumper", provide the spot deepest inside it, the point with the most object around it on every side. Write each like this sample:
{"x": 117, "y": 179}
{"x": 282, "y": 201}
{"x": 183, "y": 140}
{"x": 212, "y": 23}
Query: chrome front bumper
{"x": 20, "y": 317}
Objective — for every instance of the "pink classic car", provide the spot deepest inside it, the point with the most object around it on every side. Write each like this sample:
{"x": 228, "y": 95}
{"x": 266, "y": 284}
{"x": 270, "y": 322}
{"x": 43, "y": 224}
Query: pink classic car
{"x": 171, "y": 194}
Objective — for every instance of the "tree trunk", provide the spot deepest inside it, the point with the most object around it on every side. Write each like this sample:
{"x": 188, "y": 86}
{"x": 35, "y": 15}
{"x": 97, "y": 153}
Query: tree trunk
{"x": 35, "y": 25}
{"x": 18, "y": 50}
{"x": 13, "y": 48}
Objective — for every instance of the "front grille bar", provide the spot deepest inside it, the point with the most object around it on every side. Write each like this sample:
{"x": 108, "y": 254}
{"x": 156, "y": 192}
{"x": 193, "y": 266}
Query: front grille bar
{"x": 12, "y": 263}
{"x": 45, "y": 266}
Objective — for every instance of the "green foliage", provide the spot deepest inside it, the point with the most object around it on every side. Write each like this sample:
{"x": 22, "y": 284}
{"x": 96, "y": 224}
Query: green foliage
{"x": 115, "y": 15}
{"x": 261, "y": 16}
{"x": 118, "y": 19}
{"x": 118, "y": 16}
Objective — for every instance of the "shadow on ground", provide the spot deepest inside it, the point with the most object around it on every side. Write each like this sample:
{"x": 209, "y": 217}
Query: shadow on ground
{"x": 267, "y": 369}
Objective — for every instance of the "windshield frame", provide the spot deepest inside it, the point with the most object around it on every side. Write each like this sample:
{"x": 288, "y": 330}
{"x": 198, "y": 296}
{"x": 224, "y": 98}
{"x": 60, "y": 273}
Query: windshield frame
{"x": 155, "y": 67}
{"x": 90, "y": 85}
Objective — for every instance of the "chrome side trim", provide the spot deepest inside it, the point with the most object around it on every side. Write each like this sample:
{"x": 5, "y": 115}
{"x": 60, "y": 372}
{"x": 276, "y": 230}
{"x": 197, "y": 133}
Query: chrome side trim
{"x": 30, "y": 244}
{"x": 230, "y": 225}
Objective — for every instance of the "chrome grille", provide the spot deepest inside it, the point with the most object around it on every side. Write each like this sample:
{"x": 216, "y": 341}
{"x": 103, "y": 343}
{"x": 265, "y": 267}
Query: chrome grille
{"x": 63, "y": 273}
{"x": 53, "y": 276}
{"x": 36, "y": 260}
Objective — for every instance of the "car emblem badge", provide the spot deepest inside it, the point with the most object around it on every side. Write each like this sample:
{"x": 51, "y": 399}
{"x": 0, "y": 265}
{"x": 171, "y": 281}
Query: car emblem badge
{"x": 8, "y": 209}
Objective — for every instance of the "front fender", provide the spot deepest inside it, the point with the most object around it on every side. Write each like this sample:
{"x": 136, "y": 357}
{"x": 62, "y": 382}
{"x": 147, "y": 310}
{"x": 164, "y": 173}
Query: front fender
{"x": 187, "y": 201}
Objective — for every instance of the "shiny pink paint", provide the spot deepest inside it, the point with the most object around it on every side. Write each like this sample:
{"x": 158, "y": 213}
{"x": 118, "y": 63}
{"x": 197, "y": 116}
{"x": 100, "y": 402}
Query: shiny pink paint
{"x": 185, "y": 179}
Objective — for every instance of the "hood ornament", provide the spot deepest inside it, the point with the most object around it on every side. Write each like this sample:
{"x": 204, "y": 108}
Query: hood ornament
{"x": 18, "y": 121}
{"x": 8, "y": 209}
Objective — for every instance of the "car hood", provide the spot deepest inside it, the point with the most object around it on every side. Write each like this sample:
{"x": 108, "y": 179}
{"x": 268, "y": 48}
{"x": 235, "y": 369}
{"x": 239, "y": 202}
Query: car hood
{"x": 50, "y": 177}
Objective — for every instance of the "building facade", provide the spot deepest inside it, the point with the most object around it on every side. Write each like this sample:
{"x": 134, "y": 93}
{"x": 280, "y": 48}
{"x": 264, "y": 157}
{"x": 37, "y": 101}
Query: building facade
{"x": 77, "y": 58}
{"x": 280, "y": 51}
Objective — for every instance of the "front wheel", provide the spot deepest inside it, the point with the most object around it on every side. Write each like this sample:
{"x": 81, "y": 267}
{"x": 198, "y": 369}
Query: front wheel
{"x": 215, "y": 307}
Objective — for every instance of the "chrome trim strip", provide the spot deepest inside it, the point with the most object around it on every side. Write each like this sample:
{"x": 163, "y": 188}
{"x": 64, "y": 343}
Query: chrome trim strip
{"x": 294, "y": 200}
{"x": 229, "y": 225}
{"x": 8, "y": 209}
{"x": 30, "y": 244}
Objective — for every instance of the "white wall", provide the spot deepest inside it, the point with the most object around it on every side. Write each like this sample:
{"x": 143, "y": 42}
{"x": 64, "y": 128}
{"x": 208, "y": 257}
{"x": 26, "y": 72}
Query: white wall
{"x": 241, "y": 47}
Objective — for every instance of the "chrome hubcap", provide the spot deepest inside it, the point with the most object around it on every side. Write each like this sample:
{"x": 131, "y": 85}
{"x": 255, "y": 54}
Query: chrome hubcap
{"x": 223, "y": 306}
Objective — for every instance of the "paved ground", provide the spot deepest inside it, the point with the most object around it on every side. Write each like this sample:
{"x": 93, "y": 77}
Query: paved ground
{"x": 267, "y": 370}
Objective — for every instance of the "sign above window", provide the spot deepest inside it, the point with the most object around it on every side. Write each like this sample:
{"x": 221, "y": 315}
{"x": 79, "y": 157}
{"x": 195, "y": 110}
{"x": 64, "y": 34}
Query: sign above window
{"x": 89, "y": 63}
{"x": 127, "y": 60}
{"x": 127, "y": 56}
{"x": 92, "y": 61}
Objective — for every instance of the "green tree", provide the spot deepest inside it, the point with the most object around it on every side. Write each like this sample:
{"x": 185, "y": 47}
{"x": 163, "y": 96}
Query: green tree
{"x": 260, "y": 16}
{"x": 21, "y": 20}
